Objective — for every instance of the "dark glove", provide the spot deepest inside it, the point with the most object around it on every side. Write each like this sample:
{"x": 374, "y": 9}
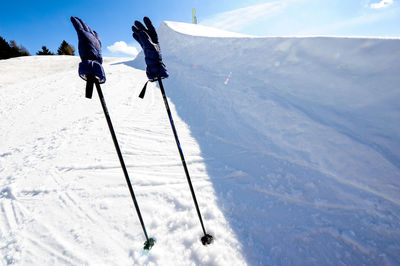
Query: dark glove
{"x": 147, "y": 38}
{"x": 89, "y": 50}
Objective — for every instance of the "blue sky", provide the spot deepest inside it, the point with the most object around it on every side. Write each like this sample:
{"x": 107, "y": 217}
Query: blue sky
{"x": 44, "y": 22}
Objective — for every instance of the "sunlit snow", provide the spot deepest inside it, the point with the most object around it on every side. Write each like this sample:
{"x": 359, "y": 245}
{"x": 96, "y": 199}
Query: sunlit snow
{"x": 293, "y": 145}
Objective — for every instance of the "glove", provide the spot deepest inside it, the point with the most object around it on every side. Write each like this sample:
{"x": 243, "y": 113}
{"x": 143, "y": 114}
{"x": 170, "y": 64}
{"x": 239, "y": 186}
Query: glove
{"x": 147, "y": 38}
{"x": 89, "y": 50}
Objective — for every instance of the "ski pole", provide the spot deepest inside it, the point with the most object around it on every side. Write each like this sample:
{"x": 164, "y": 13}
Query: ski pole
{"x": 89, "y": 86}
{"x": 206, "y": 239}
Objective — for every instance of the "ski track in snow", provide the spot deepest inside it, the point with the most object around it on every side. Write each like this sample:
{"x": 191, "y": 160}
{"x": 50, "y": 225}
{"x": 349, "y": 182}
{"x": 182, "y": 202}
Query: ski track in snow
{"x": 63, "y": 197}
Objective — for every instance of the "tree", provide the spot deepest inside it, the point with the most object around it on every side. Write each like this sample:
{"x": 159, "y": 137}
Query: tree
{"x": 23, "y": 51}
{"x": 8, "y": 50}
{"x": 20, "y": 50}
{"x": 44, "y": 51}
{"x": 14, "y": 48}
{"x": 5, "y": 49}
{"x": 65, "y": 49}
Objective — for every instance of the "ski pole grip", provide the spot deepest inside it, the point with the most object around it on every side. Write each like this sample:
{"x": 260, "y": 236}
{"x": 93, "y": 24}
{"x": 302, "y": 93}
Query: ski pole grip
{"x": 89, "y": 86}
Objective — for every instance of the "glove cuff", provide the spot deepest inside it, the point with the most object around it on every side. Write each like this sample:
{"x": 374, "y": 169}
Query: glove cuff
{"x": 92, "y": 68}
{"x": 156, "y": 71}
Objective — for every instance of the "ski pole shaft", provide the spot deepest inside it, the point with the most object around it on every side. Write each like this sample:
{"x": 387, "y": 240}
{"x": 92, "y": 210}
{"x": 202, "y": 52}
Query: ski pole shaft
{"x": 121, "y": 159}
{"x": 181, "y": 153}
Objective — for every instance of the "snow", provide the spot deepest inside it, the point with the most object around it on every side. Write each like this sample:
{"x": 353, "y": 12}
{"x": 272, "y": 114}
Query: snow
{"x": 201, "y": 30}
{"x": 292, "y": 144}
{"x": 63, "y": 196}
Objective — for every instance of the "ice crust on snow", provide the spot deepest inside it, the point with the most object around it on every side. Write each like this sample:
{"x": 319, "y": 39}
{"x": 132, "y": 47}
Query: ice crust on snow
{"x": 293, "y": 145}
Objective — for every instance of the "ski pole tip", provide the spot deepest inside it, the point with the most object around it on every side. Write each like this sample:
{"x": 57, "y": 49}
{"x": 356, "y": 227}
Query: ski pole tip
{"x": 149, "y": 244}
{"x": 207, "y": 239}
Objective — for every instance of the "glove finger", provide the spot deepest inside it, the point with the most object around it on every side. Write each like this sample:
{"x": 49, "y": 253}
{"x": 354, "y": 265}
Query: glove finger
{"x": 84, "y": 25}
{"x": 135, "y": 30}
{"x": 151, "y": 30}
{"x": 136, "y": 37}
{"x": 135, "y": 34}
{"x": 76, "y": 23}
{"x": 140, "y": 26}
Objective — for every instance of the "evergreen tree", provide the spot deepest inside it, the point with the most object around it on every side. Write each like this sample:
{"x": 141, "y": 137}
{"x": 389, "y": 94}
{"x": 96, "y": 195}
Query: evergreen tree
{"x": 44, "y": 51}
{"x": 66, "y": 49}
{"x": 5, "y": 49}
{"x": 8, "y": 50}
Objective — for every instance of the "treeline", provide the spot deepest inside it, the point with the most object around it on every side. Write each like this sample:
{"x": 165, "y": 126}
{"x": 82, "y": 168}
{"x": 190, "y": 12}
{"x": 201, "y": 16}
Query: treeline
{"x": 8, "y": 50}
{"x": 11, "y": 49}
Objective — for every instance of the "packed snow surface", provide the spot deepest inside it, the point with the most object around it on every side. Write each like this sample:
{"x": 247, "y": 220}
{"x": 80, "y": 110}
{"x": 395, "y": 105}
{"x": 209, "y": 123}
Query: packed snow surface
{"x": 293, "y": 145}
{"x": 63, "y": 196}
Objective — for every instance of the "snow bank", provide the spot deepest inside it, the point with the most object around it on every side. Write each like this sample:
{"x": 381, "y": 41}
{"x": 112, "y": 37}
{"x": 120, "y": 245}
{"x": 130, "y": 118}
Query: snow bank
{"x": 300, "y": 137}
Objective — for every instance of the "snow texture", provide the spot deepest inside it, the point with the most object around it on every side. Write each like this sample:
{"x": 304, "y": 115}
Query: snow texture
{"x": 292, "y": 145}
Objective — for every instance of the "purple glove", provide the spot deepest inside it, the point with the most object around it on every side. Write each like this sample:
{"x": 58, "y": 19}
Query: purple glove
{"x": 148, "y": 39}
{"x": 89, "y": 50}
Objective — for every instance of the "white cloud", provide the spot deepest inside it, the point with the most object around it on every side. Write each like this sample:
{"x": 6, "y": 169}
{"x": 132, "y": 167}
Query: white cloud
{"x": 382, "y": 4}
{"x": 122, "y": 48}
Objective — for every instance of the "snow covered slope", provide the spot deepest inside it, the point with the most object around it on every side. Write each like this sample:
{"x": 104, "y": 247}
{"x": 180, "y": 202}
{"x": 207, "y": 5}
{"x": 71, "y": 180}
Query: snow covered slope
{"x": 292, "y": 143}
{"x": 300, "y": 137}
{"x": 63, "y": 197}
